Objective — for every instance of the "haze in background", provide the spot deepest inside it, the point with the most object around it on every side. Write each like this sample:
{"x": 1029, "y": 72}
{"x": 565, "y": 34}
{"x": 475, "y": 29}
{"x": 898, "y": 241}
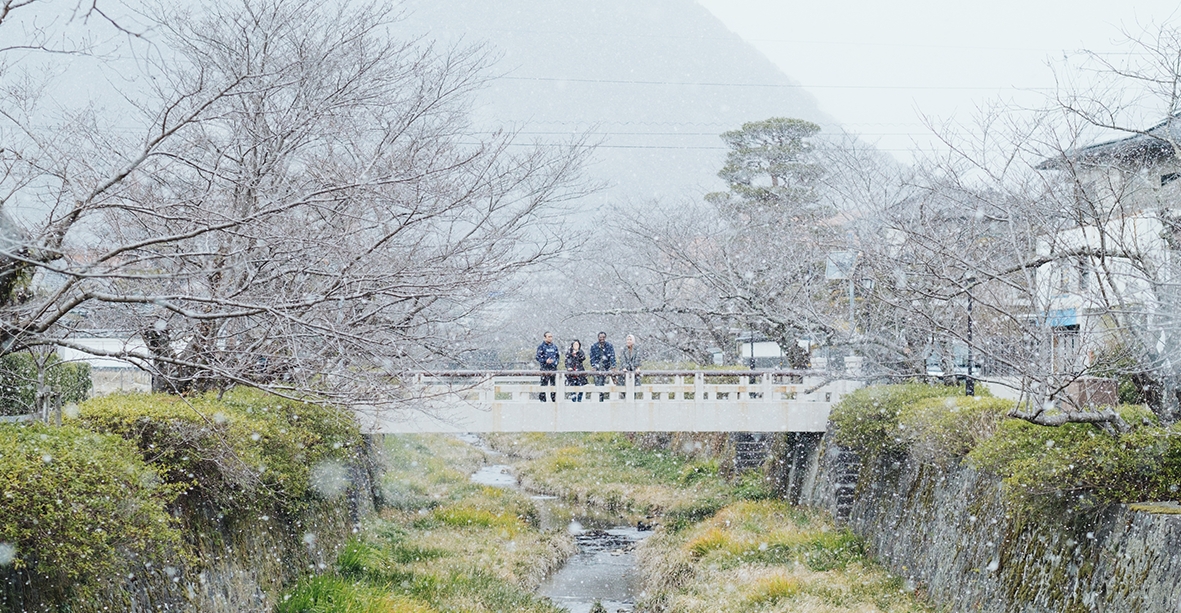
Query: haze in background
{"x": 654, "y": 81}
{"x": 886, "y": 69}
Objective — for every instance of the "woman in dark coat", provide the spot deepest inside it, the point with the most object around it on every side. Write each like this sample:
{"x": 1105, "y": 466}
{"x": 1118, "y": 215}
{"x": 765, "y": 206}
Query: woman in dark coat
{"x": 575, "y": 359}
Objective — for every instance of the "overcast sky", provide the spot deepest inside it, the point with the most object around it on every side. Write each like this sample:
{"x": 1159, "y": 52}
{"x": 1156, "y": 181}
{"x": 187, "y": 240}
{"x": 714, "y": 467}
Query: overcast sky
{"x": 878, "y": 67}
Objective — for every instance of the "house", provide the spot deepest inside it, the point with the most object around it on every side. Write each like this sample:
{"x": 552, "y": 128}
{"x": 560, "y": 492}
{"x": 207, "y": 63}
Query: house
{"x": 1111, "y": 272}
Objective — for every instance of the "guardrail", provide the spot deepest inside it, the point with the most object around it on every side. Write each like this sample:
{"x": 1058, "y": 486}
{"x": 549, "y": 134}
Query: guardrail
{"x": 651, "y": 385}
{"x": 648, "y": 400}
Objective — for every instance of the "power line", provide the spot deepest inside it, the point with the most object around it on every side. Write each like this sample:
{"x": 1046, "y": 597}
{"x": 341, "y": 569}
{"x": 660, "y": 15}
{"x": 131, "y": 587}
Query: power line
{"x": 713, "y": 134}
{"x": 566, "y": 34}
{"x": 694, "y": 148}
{"x": 775, "y": 85}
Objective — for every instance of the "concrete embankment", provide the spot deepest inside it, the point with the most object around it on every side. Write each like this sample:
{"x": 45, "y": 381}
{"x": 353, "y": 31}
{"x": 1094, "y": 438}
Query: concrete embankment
{"x": 952, "y": 534}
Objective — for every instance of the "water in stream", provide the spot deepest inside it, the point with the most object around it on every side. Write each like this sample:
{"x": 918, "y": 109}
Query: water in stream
{"x": 604, "y": 569}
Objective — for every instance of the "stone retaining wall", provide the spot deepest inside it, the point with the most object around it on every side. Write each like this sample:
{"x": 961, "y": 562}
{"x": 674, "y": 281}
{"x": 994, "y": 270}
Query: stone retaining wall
{"x": 949, "y": 531}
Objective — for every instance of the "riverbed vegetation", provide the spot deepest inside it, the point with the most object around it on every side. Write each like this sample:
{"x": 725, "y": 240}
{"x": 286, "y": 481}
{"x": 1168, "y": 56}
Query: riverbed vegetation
{"x": 613, "y": 472}
{"x": 723, "y": 542}
{"x": 442, "y": 544}
{"x": 767, "y": 556}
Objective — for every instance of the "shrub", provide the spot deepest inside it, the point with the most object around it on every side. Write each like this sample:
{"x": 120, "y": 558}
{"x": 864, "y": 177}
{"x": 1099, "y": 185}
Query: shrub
{"x": 938, "y": 430}
{"x": 79, "y": 509}
{"x": 1083, "y": 463}
{"x": 245, "y": 453}
{"x": 867, "y": 419}
{"x": 18, "y": 381}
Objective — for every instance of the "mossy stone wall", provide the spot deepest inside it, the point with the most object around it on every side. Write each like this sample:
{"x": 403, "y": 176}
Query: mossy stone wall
{"x": 950, "y": 531}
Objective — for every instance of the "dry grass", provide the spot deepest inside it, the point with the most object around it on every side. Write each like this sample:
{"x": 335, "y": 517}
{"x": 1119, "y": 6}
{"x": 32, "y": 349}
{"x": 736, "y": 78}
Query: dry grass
{"x": 767, "y": 556}
{"x": 610, "y": 472}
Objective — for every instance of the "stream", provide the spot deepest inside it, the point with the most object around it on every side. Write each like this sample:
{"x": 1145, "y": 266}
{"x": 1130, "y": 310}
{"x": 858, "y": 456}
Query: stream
{"x": 603, "y": 569}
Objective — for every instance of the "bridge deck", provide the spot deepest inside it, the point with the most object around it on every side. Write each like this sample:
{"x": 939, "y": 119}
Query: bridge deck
{"x": 663, "y": 401}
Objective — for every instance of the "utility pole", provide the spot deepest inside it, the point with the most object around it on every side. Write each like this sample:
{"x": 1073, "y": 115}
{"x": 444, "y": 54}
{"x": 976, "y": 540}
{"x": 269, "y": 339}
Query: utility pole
{"x": 852, "y": 308}
{"x": 970, "y": 383}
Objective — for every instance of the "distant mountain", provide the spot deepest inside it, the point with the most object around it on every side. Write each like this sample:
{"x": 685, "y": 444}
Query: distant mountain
{"x": 658, "y": 80}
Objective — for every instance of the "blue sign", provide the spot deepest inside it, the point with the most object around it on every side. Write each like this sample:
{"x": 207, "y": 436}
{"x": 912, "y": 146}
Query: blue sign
{"x": 1061, "y": 318}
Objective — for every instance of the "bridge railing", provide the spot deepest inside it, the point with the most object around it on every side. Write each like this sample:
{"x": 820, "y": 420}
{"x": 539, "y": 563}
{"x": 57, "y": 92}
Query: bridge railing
{"x": 648, "y": 400}
{"x": 511, "y": 386}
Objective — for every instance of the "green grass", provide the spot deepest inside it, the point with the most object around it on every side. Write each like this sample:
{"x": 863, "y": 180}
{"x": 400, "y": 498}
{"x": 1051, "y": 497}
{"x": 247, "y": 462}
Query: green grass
{"x": 335, "y": 594}
{"x": 446, "y": 544}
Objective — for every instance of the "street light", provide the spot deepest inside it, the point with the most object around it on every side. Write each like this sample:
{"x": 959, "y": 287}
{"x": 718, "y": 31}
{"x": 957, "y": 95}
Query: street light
{"x": 969, "y": 382}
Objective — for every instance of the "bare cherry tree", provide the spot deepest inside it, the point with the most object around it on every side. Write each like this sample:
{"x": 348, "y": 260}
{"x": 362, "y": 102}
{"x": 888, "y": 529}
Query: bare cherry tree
{"x": 1059, "y": 227}
{"x": 304, "y": 208}
{"x": 752, "y": 260}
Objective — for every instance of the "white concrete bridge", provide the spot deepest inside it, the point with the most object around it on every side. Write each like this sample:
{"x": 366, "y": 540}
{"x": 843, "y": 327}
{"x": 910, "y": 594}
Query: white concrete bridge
{"x": 657, "y": 400}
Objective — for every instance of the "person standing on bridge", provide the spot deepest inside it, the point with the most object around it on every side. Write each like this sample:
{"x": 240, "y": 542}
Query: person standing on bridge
{"x": 575, "y": 359}
{"x": 629, "y": 360}
{"x": 547, "y": 358}
{"x": 602, "y": 358}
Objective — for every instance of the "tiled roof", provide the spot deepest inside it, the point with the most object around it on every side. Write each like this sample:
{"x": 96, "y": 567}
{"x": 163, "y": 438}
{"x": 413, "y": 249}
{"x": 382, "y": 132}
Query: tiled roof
{"x": 1154, "y": 144}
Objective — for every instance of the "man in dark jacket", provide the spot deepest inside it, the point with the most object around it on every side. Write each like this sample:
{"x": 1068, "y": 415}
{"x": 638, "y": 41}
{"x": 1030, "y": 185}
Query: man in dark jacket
{"x": 602, "y": 356}
{"x": 547, "y": 358}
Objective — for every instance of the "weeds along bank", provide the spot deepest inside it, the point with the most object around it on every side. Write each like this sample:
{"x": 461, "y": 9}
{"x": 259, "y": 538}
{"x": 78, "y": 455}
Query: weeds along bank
{"x": 985, "y": 513}
{"x": 722, "y": 542}
{"x": 153, "y": 502}
{"x": 767, "y": 556}
{"x": 610, "y": 471}
{"x": 442, "y": 543}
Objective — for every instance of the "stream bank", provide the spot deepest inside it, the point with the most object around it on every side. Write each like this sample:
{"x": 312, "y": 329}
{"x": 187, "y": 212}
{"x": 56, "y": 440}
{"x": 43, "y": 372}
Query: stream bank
{"x": 442, "y": 542}
{"x": 720, "y": 544}
{"x": 603, "y": 569}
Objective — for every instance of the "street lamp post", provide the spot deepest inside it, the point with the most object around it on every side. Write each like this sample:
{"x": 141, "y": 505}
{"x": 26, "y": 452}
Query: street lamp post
{"x": 969, "y": 382}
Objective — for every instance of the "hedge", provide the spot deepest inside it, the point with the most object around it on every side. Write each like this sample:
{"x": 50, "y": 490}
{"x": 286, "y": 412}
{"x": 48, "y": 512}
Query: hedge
{"x": 867, "y": 419}
{"x": 247, "y": 452}
{"x": 1082, "y": 463}
{"x": 79, "y": 508}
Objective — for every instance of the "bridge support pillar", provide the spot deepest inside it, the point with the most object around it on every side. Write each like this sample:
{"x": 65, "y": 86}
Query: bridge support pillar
{"x": 792, "y": 456}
